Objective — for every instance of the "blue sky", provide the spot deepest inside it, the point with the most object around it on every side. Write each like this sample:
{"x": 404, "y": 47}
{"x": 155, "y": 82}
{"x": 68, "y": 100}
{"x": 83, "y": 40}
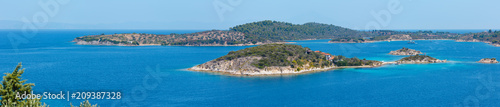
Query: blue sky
{"x": 202, "y": 14}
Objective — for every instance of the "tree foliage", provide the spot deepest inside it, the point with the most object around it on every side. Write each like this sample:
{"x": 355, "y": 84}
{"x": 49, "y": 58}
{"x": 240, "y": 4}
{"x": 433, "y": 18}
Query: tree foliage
{"x": 12, "y": 85}
{"x": 280, "y": 55}
{"x": 417, "y": 57}
{"x": 280, "y": 31}
{"x": 85, "y": 103}
{"x": 344, "y": 61}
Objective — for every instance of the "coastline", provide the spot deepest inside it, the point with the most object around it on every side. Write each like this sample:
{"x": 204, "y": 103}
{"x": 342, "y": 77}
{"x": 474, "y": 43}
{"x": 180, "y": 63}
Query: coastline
{"x": 496, "y": 45}
{"x": 197, "y": 69}
{"x": 314, "y": 70}
{"x": 97, "y": 43}
{"x": 306, "y": 71}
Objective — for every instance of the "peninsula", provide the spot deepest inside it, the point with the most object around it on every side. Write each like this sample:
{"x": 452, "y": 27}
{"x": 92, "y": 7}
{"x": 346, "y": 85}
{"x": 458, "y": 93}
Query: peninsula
{"x": 405, "y": 51}
{"x": 206, "y": 38}
{"x": 279, "y": 59}
{"x": 256, "y": 33}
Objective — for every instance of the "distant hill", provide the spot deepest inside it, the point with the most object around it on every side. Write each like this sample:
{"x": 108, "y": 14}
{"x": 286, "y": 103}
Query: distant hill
{"x": 280, "y": 31}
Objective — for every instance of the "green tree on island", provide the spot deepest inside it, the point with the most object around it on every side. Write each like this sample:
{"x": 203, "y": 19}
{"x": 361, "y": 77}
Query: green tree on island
{"x": 12, "y": 84}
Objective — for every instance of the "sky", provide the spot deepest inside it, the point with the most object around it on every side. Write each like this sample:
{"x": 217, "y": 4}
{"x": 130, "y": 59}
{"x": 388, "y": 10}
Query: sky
{"x": 223, "y": 14}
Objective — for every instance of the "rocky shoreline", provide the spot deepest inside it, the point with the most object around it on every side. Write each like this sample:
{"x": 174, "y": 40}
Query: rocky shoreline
{"x": 488, "y": 60}
{"x": 107, "y": 43}
{"x": 421, "y": 61}
{"x": 270, "y": 71}
{"x": 264, "y": 72}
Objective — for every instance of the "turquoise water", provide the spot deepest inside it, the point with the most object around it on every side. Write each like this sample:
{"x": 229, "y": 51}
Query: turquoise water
{"x": 155, "y": 75}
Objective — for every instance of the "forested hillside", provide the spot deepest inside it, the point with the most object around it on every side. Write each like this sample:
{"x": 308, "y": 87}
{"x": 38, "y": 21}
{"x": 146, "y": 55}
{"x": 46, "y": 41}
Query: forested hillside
{"x": 280, "y": 55}
{"x": 279, "y": 31}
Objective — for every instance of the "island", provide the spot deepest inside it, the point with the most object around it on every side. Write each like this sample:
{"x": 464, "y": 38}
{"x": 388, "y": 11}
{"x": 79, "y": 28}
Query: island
{"x": 419, "y": 59}
{"x": 279, "y": 59}
{"x": 405, "y": 51}
{"x": 488, "y": 60}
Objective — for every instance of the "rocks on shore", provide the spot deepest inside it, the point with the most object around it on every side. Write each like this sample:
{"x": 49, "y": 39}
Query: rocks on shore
{"x": 98, "y": 42}
{"x": 405, "y": 51}
{"x": 488, "y": 60}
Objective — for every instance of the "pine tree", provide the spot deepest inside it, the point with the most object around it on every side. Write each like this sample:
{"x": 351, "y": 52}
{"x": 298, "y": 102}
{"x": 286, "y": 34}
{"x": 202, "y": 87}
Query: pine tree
{"x": 85, "y": 103}
{"x": 12, "y": 85}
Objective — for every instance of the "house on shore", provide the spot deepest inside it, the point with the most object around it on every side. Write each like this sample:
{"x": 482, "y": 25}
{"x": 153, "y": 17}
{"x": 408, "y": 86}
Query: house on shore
{"x": 328, "y": 56}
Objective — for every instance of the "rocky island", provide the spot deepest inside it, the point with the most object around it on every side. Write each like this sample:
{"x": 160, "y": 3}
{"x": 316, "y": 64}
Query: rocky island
{"x": 405, "y": 51}
{"x": 279, "y": 59}
{"x": 488, "y": 60}
{"x": 419, "y": 59}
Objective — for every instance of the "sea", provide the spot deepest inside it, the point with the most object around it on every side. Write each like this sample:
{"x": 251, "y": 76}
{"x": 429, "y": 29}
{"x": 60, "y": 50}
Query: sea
{"x": 156, "y": 76}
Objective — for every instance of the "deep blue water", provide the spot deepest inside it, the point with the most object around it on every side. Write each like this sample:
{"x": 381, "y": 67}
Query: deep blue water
{"x": 155, "y": 75}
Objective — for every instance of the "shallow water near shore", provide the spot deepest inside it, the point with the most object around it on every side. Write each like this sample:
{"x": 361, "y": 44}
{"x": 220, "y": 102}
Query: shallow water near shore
{"x": 156, "y": 75}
